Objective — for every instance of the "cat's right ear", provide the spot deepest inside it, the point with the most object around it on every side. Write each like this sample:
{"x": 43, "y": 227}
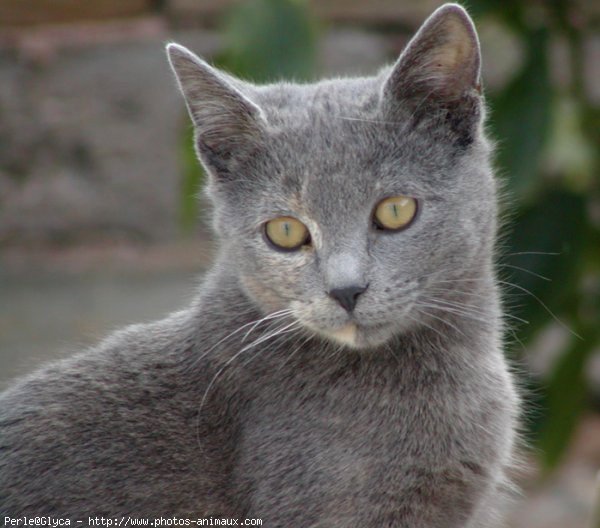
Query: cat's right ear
{"x": 227, "y": 123}
{"x": 440, "y": 69}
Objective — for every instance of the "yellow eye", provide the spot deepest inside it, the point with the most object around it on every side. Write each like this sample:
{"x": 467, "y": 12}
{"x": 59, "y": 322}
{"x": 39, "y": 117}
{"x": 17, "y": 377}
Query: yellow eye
{"x": 395, "y": 213}
{"x": 287, "y": 233}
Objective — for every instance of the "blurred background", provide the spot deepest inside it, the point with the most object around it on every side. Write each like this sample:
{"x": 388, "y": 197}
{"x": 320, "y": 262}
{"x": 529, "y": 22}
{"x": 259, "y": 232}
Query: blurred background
{"x": 100, "y": 224}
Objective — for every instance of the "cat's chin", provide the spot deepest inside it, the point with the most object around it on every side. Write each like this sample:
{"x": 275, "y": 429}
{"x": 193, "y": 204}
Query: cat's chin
{"x": 358, "y": 336}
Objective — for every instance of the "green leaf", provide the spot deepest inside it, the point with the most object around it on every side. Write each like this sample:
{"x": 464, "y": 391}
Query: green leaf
{"x": 521, "y": 117}
{"x": 270, "y": 39}
{"x": 566, "y": 396}
{"x": 546, "y": 239}
{"x": 510, "y": 11}
{"x": 570, "y": 153}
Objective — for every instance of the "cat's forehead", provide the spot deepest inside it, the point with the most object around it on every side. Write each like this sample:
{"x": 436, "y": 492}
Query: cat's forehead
{"x": 310, "y": 136}
{"x": 296, "y": 105}
{"x": 332, "y": 136}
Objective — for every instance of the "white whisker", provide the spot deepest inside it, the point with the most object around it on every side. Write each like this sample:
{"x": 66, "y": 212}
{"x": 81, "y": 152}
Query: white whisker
{"x": 525, "y": 270}
{"x": 428, "y": 326}
{"x": 262, "y": 339}
{"x": 274, "y": 315}
{"x": 281, "y": 313}
{"x": 531, "y": 253}
{"x": 556, "y": 318}
{"x": 448, "y": 323}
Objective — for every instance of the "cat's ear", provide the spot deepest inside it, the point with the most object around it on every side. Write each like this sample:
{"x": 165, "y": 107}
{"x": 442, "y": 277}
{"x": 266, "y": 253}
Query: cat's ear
{"x": 227, "y": 122}
{"x": 440, "y": 65}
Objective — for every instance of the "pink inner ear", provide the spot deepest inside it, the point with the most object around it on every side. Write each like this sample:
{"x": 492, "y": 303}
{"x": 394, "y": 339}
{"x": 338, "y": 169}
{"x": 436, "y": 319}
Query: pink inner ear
{"x": 443, "y": 58}
{"x": 451, "y": 62}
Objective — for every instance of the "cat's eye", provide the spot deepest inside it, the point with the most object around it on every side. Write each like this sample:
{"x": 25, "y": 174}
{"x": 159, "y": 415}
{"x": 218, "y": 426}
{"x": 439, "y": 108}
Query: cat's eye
{"x": 286, "y": 233}
{"x": 395, "y": 213}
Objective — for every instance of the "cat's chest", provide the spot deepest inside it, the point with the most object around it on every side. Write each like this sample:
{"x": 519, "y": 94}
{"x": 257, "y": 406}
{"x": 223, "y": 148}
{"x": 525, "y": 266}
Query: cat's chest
{"x": 339, "y": 447}
{"x": 326, "y": 457}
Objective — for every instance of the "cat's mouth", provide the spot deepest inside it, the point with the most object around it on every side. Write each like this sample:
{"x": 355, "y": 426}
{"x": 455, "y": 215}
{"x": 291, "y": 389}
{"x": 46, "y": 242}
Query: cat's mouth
{"x": 350, "y": 330}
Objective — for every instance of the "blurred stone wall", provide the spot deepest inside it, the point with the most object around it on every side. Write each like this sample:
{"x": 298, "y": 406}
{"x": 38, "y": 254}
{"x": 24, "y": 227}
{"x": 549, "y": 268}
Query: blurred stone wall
{"x": 92, "y": 126}
{"x": 91, "y": 123}
{"x": 87, "y": 143}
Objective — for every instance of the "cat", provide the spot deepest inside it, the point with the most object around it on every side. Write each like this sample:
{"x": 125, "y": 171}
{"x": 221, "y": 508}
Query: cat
{"x": 341, "y": 364}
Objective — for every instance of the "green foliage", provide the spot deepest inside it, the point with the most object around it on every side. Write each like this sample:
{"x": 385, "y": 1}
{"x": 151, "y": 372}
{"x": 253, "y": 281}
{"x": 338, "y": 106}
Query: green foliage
{"x": 546, "y": 152}
{"x": 565, "y": 400}
{"x": 544, "y": 256}
{"x": 522, "y": 114}
{"x": 269, "y": 40}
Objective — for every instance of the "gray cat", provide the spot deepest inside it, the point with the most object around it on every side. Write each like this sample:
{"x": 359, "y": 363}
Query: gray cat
{"x": 341, "y": 365}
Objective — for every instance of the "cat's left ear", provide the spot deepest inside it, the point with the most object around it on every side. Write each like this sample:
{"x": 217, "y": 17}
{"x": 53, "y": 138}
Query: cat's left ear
{"x": 228, "y": 124}
{"x": 440, "y": 65}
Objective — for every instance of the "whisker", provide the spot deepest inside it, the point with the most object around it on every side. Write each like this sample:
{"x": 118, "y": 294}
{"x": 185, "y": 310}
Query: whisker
{"x": 516, "y": 338}
{"x": 448, "y": 271}
{"x": 448, "y": 323}
{"x": 275, "y": 333}
{"x": 455, "y": 312}
{"x": 280, "y": 313}
{"x": 460, "y": 293}
{"x": 475, "y": 310}
{"x": 262, "y": 339}
{"x": 427, "y": 325}
{"x": 504, "y": 294}
{"x": 279, "y": 341}
{"x": 455, "y": 309}
{"x": 532, "y": 253}
{"x": 525, "y": 270}
{"x": 363, "y": 120}
{"x": 286, "y": 329}
{"x": 471, "y": 279}
{"x": 550, "y": 312}
{"x": 515, "y": 317}
{"x": 238, "y": 330}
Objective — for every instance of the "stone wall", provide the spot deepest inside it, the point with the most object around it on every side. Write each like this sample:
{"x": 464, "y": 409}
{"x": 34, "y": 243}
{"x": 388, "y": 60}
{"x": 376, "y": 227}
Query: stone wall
{"x": 92, "y": 125}
{"x": 90, "y": 140}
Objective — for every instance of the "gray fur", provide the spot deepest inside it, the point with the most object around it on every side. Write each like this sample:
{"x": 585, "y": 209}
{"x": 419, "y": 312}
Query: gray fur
{"x": 261, "y": 399}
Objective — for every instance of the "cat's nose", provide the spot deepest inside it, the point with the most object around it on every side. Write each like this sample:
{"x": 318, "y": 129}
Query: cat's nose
{"x": 347, "y": 296}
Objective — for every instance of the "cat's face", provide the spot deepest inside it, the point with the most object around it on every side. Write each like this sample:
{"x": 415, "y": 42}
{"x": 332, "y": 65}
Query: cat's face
{"x": 351, "y": 202}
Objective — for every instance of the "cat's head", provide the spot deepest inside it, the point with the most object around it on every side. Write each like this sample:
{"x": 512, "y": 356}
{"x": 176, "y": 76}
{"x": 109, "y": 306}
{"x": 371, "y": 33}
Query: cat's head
{"x": 350, "y": 201}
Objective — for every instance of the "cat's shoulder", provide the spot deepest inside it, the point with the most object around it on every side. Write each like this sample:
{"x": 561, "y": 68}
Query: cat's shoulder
{"x": 106, "y": 413}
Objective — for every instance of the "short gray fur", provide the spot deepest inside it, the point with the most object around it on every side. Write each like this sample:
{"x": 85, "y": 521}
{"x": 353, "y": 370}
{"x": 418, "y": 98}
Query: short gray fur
{"x": 265, "y": 398}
